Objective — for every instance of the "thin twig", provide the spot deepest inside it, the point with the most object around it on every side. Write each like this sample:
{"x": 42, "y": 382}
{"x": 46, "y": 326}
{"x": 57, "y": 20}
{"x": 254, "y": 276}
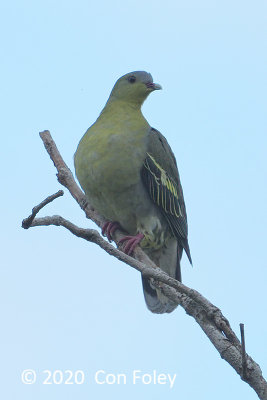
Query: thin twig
{"x": 244, "y": 354}
{"x": 27, "y": 222}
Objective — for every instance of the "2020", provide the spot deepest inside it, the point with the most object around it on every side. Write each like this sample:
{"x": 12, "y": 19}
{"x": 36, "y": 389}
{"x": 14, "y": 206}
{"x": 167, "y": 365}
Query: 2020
{"x": 67, "y": 377}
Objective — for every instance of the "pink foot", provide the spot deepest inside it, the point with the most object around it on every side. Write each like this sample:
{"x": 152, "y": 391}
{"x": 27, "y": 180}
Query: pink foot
{"x": 109, "y": 228}
{"x": 132, "y": 242}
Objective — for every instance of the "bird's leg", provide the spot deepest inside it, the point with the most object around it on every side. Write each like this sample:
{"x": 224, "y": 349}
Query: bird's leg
{"x": 109, "y": 228}
{"x": 132, "y": 242}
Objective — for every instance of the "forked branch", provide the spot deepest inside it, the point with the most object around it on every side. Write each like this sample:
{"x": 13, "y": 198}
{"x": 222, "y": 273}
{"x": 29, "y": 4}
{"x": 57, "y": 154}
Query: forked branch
{"x": 208, "y": 316}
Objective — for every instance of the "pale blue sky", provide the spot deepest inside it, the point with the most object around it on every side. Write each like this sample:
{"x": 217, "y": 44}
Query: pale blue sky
{"x": 64, "y": 303}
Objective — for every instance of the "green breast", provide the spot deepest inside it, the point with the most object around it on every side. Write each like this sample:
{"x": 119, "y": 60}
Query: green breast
{"x": 111, "y": 153}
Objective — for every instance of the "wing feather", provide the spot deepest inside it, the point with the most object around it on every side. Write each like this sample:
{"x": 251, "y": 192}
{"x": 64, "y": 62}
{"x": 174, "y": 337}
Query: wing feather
{"x": 161, "y": 178}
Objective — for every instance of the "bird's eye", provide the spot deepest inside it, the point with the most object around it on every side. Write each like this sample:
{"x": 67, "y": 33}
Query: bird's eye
{"x": 132, "y": 79}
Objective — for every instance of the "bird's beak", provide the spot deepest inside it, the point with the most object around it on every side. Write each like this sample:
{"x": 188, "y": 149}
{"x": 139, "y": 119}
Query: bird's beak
{"x": 153, "y": 86}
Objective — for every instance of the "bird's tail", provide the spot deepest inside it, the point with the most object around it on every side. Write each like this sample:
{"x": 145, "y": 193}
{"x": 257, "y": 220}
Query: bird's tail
{"x": 168, "y": 261}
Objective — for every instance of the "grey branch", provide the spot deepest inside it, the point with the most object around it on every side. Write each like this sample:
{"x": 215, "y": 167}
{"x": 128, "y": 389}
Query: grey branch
{"x": 244, "y": 355}
{"x": 207, "y": 315}
{"x": 27, "y": 222}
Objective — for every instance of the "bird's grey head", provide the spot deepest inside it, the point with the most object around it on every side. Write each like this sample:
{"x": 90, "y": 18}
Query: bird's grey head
{"x": 134, "y": 87}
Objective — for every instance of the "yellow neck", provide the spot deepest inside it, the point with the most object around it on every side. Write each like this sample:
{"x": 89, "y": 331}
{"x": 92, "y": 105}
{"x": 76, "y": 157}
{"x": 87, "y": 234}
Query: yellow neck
{"x": 122, "y": 110}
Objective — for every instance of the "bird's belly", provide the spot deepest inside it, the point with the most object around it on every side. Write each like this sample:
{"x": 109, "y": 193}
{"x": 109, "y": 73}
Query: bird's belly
{"x": 136, "y": 213}
{"x": 110, "y": 176}
{"x": 125, "y": 199}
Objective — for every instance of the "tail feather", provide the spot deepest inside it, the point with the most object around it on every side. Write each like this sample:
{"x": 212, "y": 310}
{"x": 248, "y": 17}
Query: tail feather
{"x": 187, "y": 250}
{"x": 153, "y": 301}
{"x": 169, "y": 261}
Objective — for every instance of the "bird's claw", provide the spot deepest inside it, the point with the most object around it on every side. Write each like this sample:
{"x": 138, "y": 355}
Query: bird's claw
{"x": 131, "y": 242}
{"x": 109, "y": 228}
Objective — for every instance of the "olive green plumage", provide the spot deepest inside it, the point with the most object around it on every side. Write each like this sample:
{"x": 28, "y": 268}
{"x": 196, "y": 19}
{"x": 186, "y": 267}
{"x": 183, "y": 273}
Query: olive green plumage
{"x": 129, "y": 174}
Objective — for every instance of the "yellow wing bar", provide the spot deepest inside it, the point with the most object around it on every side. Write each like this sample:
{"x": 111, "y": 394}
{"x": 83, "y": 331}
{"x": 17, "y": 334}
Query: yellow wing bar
{"x": 162, "y": 188}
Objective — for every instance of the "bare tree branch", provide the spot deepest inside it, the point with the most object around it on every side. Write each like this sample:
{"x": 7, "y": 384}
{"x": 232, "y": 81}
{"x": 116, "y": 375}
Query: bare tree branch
{"x": 244, "y": 354}
{"x": 27, "y": 222}
{"x": 208, "y": 316}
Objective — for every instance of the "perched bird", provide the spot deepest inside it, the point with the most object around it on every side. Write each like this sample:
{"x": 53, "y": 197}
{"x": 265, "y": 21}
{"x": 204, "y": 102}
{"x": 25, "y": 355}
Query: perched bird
{"x": 129, "y": 175}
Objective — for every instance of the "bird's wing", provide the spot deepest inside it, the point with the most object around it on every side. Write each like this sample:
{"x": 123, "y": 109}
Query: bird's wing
{"x": 161, "y": 178}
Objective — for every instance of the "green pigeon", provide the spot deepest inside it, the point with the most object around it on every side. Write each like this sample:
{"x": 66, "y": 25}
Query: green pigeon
{"x": 129, "y": 175}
